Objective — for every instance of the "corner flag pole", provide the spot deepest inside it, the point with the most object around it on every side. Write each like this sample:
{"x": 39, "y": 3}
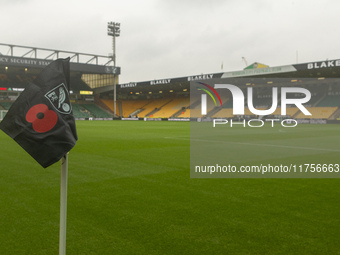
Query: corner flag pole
{"x": 63, "y": 205}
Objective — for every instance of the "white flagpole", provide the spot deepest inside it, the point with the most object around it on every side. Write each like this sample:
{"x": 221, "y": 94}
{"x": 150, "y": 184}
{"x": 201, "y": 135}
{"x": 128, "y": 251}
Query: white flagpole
{"x": 63, "y": 205}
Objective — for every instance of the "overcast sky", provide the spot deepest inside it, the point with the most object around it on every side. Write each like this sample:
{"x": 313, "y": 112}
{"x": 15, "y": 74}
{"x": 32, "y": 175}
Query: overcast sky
{"x": 174, "y": 38}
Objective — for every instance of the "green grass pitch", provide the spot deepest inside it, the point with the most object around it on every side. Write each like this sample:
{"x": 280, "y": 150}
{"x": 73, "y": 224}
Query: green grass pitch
{"x": 130, "y": 192}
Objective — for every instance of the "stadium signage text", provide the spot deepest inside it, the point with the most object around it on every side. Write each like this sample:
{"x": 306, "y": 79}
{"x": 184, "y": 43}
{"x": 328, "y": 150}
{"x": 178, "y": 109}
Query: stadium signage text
{"x": 22, "y": 61}
{"x": 331, "y": 63}
{"x": 18, "y": 89}
{"x": 128, "y": 85}
{"x": 157, "y": 82}
{"x": 200, "y": 77}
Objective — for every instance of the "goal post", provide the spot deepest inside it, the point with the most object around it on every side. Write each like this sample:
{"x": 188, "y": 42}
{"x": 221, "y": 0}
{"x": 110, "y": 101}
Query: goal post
{"x": 3, "y": 114}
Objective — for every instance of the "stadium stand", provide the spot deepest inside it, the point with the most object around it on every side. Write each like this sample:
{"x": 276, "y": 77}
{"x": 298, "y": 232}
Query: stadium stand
{"x": 290, "y": 111}
{"x": 6, "y": 105}
{"x": 264, "y": 103}
{"x": 132, "y": 107}
{"x": 224, "y": 113}
{"x": 109, "y": 104}
{"x": 142, "y": 99}
{"x": 228, "y": 112}
{"x": 160, "y": 108}
{"x": 95, "y": 111}
{"x": 329, "y": 101}
{"x": 80, "y": 112}
{"x": 185, "y": 114}
{"x": 154, "y": 106}
{"x": 176, "y": 105}
{"x": 318, "y": 113}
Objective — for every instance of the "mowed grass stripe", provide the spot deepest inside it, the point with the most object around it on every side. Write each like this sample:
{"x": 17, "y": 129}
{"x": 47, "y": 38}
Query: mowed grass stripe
{"x": 130, "y": 193}
{"x": 305, "y": 144}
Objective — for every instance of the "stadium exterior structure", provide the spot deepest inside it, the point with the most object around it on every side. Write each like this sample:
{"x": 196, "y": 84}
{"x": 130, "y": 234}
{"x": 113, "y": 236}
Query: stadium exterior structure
{"x": 20, "y": 64}
{"x": 40, "y": 57}
{"x": 93, "y": 72}
{"x": 321, "y": 78}
{"x": 317, "y": 69}
{"x": 92, "y": 77}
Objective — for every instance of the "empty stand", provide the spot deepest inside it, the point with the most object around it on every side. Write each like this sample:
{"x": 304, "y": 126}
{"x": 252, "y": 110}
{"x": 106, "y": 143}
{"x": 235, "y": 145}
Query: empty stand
{"x": 185, "y": 114}
{"x": 290, "y": 111}
{"x": 154, "y": 106}
{"x": 330, "y": 101}
{"x": 174, "y": 106}
{"x": 80, "y": 112}
{"x": 95, "y": 111}
{"x": 6, "y": 105}
{"x": 318, "y": 113}
{"x": 133, "y": 107}
{"x": 109, "y": 104}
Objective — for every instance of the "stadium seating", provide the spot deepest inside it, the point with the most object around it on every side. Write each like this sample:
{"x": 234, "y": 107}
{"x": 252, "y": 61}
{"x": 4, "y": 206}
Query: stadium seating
{"x": 95, "y": 111}
{"x": 163, "y": 108}
{"x": 131, "y": 106}
{"x": 327, "y": 106}
{"x": 109, "y": 104}
{"x": 174, "y": 106}
{"x": 80, "y": 112}
{"x": 290, "y": 111}
{"x": 330, "y": 101}
{"x": 153, "y": 107}
{"x": 6, "y": 105}
{"x": 224, "y": 113}
{"x": 318, "y": 113}
{"x": 185, "y": 114}
{"x": 262, "y": 102}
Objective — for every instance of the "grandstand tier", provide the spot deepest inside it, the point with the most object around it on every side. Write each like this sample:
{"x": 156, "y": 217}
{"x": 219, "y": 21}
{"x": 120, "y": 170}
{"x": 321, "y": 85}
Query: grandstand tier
{"x": 92, "y": 90}
{"x": 87, "y": 111}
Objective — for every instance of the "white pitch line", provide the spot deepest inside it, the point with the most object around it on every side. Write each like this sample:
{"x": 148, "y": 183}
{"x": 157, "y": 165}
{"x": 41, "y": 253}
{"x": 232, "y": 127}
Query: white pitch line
{"x": 255, "y": 144}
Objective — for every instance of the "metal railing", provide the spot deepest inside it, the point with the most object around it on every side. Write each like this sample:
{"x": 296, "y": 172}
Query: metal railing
{"x": 50, "y": 54}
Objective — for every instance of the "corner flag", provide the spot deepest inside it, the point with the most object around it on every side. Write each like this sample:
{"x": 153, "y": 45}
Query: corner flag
{"x": 41, "y": 119}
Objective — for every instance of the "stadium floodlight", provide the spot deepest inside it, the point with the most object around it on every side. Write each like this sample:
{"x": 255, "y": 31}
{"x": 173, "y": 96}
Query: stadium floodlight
{"x": 113, "y": 29}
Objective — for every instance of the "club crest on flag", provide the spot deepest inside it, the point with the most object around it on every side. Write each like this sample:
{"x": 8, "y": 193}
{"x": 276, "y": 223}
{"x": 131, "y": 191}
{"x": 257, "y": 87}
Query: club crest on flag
{"x": 41, "y": 120}
{"x": 60, "y": 99}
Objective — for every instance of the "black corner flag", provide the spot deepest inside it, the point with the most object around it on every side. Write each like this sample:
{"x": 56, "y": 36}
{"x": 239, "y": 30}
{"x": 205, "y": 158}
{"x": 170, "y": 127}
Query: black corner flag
{"x": 41, "y": 119}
